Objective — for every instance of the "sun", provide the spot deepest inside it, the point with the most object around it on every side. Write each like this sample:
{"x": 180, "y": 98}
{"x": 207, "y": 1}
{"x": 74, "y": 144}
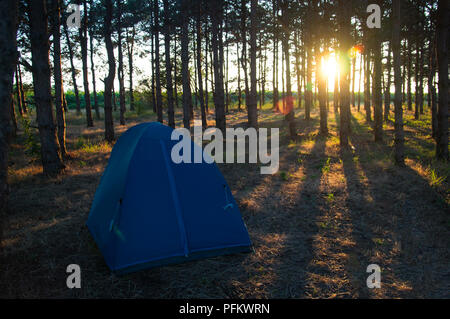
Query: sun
{"x": 329, "y": 68}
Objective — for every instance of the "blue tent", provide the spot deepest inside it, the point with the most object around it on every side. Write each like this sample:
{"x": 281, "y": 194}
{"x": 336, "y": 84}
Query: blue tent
{"x": 149, "y": 211}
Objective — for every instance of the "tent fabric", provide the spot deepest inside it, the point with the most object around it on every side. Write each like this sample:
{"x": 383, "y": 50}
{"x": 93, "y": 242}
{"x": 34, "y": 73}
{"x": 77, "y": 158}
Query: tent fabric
{"x": 149, "y": 211}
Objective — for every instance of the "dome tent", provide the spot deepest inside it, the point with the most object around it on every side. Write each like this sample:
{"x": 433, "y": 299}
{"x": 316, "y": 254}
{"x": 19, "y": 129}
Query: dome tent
{"x": 148, "y": 211}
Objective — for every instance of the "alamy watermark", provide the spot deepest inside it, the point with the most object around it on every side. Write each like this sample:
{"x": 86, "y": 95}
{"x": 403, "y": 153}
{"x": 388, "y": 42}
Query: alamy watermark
{"x": 74, "y": 19}
{"x": 374, "y": 280}
{"x": 258, "y": 140}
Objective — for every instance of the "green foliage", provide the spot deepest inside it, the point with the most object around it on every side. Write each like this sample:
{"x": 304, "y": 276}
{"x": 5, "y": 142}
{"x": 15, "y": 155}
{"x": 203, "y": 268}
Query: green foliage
{"x": 32, "y": 144}
{"x": 436, "y": 180}
{"x": 326, "y": 166}
{"x": 284, "y": 175}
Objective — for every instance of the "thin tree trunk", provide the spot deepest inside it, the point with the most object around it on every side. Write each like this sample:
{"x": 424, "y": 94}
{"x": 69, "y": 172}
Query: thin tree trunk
{"x": 359, "y": 81}
{"x": 239, "y": 77}
{"x": 22, "y": 93}
{"x": 387, "y": 96}
{"x": 399, "y": 152}
{"x": 377, "y": 93}
{"x": 442, "y": 60}
{"x": 169, "y": 87}
{"x": 13, "y": 118}
{"x": 367, "y": 106}
{"x": 57, "y": 72}
{"x": 408, "y": 84}
{"x": 130, "y": 50}
{"x": 94, "y": 87}
{"x": 109, "y": 80}
{"x": 153, "y": 66}
{"x": 159, "y": 110}
{"x": 83, "y": 41}
{"x": 199, "y": 65}
{"x": 344, "y": 20}
{"x": 252, "y": 101}
{"x": 120, "y": 71}
{"x": 217, "y": 19}
{"x": 18, "y": 96}
{"x": 50, "y": 153}
{"x": 72, "y": 68}
{"x": 187, "y": 95}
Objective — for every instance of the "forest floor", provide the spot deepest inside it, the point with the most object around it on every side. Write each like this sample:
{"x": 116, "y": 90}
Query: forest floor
{"x": 315, "y": 225}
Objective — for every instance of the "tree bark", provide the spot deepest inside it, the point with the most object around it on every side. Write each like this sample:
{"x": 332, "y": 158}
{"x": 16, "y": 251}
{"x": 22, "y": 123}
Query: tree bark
{"x": 72, "y": 68}
{"x": 387, "y": 96}
{"x": 159, "y": 110}
{"x": 199, "y": 65}
{"x": 187, "y": 95}
{"x": 399, "y": 152}
{"x": 8, "y": 59}
{"x": 50, "y": 153}
{"x": 57, "y": 72}
{"x": 109, "y": 80}
{"x": 217, "y": 19}
{"x": 252, "y": 101}
{"x": 94, "y": 87}
{"x": 344, "y": 20}
{"x": 442, "y": 60}
{"x": 83, "y": 41}
{"x": 130, "y": 51}
{"x": 377, "y": 94}
{"x": 169, "y": 87}
{"x": 120, "y": 71}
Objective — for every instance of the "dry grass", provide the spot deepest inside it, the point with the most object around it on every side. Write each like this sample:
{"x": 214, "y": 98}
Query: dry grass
{"x": 315, "y": 226}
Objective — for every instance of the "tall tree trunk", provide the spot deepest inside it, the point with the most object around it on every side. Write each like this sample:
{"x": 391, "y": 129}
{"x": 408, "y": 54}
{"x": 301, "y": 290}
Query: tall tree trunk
{"x": 130, "y": 52}
{"x": 199, "y": 65}
{"x": 175, "y": 73}
{"x": 109, "y": 80}
{"x": 239, "y": 77}
{"x": 217, "y": 19}
{"x": 409, "y": 76}
{"x": 57, "y": 72}
{"x": 417, "y": 80}
{"x": 252, "y": 102}
{"x": 244, "y": 50}
{"x": 120, "y": 70}
{"x": 72, "y": 69}
{"x": 367, "y": 85}
{"x": 387, "y": 96}
{"x": 442, "y": 59}
{"x": 50, "y": 153}
{"x": 377, "y": 93}
{"x": 309, "y": 84}
{"x": 432, "y": 89}
{"x": 336, "y": 88}
{"x": 297, "y": 69}
{"x": 206, "y": 68}
{"x": 359, "y": 81}
{"x": 399, "y": 151}
{"x": 169, "y": 88}
{"x": 353, "y": 80}
{"x": 421, "y": 76}
{"x": 22, "y": 93}
{"x": 153, "y": 91}
{"x": 187, "y": 95}
{"x": 159, "y": 110}
{"x": 275, "y": 54}
{"x": 18, "y": 96}
{"x": 8, "y": 59}
{"x": 94, "y": 87}
{"x": 83, "y": 40}
{"x": 344, "y": 21}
